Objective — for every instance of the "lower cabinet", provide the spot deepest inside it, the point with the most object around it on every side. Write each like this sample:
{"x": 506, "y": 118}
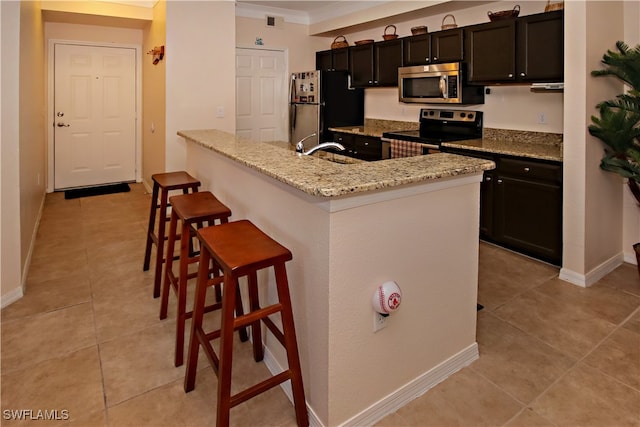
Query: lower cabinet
{"x": 521, "y": 205}
{"x": 361, "y": 147}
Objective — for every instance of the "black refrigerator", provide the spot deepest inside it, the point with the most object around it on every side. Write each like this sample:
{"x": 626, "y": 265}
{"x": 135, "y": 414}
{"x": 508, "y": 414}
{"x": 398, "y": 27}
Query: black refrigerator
{"x": 319, "y": 100}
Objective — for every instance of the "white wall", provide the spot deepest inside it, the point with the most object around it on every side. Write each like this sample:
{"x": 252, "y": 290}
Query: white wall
{"x": 200, "y": 71}
{"x": 10, "y": 277}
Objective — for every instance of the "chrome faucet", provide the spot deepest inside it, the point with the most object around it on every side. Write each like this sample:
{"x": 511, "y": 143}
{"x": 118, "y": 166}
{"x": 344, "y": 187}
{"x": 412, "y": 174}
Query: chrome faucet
{"x": 300, "y": 145}
{"x": 322, "y": 147}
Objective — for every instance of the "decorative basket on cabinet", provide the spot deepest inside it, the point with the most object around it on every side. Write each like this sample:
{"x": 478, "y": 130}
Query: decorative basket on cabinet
{"x": 337, "y": 44}
{"x": 449, "y": 25}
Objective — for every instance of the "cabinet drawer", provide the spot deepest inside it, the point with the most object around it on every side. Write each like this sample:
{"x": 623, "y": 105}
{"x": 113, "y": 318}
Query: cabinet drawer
{"x": 533, "y": 170}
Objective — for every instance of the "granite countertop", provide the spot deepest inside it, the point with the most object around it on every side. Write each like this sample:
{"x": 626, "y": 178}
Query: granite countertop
{"x": 319, "y": 177}
{"x": 510, "y": 147}
{"x": 535, "y": 145}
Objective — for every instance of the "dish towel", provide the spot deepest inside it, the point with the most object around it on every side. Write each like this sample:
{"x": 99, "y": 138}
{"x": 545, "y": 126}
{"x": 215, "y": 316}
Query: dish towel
{"x": 402, "y": 148}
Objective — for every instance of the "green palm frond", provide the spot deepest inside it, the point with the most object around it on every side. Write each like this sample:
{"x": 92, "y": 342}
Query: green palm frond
{"x": 619, "y": 123}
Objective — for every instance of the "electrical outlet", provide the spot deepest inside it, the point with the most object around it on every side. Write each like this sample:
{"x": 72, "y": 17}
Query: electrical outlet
{"x": 379, "y": 321}
{"x": 220, "y": 112}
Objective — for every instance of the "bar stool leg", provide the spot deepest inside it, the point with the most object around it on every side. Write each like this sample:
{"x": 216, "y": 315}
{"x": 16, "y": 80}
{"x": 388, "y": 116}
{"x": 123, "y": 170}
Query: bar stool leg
{"x": 226, "y": 351}
{"x": 160, "y": 246}
{"x": 182, "y": 292}
{"x": 152, "y": 221}
{"x": 254, "y": 303}
{"x": 196, "y": 322}
{"x": 293, "y": 358}
{"x": 166, "y": 283}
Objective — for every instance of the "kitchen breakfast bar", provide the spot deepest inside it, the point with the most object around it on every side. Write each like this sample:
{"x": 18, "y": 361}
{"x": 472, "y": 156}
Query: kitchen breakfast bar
{"x": 352, "y": 226}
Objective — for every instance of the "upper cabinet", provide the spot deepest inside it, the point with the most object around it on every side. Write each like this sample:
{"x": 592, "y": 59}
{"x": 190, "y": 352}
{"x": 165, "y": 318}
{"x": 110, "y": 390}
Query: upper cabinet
{"x": 375, "y": 64}
{"x": 333, "y": 60}
{"x": 540, "y": 47}
{"x": 525, "y": 49}
{"x": 447, "y": 46}
{"x": 438, "y": 47}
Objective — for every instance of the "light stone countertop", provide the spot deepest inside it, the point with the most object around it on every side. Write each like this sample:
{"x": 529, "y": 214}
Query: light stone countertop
{"x": 535, "y": 145}
{"x": 510, "y": 147}
{"x": 324, "y": 178}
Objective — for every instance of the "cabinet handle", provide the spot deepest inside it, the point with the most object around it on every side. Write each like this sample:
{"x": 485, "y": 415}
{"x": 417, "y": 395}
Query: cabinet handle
{"x": 499, "y": 181}
{"x": 370, "y": 82}
{"x": 366, "y": 143}
{"x": 426, "y": 59}
{"x": 510, "y": 75}
{"x": 435, "y": 58}
{"x": 488, "y": 178}
{"x": 522, "y": 74}
{"x": 527, "y": 169}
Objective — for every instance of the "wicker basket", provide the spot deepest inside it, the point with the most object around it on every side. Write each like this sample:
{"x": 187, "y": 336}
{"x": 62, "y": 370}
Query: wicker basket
{"x": 416, "y": 31}
{"x": 449, "y": 26}
{"x": 390, "y": 36}
{"x": 550, "y": 7}
{"x": 504, "y": 14}
{"x": 337, "y": 44}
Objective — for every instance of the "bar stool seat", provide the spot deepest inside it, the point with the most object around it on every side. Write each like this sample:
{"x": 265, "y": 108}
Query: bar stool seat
{"x": 192, "y": 210}
{"x": 163, "y": 183}
{"x": 241, "y": 249}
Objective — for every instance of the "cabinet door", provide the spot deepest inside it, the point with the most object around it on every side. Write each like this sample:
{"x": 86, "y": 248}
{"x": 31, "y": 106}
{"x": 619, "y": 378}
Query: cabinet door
{"x": 368, "y": 148}
{"x": 340, "y": 59}
{"x": 447, "y": 46}
{"x": 540, "y": 43}
{"x": 528, "y": 217}
{"x": 323, "y": 60}
{"x": 486, "y": 205}
{"x": 491, "y": 51}
{"x": 417, "y": 50}
{"x": 387, "y": 59}
{"x": 361, "y": 65}
{"x": 347, "y": 140}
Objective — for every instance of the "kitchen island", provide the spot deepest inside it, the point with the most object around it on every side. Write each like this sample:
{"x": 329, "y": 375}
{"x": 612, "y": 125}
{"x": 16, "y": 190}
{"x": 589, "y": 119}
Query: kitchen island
{"x": 352, "y": 227}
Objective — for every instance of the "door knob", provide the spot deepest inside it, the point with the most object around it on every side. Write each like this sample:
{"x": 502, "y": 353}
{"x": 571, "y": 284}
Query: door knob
{"x": 60, "y": 124}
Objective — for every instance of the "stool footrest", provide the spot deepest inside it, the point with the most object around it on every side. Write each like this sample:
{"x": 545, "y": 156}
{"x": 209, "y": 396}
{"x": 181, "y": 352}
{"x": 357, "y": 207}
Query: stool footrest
{"x": 274, "y": 330}
{"x": 261, "y": 387}
{"x": 256, "y": 315}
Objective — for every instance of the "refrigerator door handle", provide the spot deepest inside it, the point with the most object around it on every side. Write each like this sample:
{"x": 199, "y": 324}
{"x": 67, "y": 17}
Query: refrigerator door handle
{"x": 294, "y": 111}
{"x": 349, "y": 86}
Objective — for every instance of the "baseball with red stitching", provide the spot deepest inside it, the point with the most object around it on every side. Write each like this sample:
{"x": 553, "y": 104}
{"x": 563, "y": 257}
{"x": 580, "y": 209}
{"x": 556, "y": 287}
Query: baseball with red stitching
{"x": 387, "y": 298}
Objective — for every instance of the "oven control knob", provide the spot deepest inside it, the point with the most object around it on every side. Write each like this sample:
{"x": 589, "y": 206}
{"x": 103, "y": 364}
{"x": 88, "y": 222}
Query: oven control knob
{"x": 463, "y": 115}
{"x": 470, "y": 115}
{"x": 431, "y": 113}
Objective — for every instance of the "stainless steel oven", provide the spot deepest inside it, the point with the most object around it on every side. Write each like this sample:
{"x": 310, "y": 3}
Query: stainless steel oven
{"x": 436, "y": 126}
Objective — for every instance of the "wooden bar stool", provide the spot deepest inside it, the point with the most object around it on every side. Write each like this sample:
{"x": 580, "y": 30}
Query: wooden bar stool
{"x": 241, "y": 249}
{"x": 193, "y": 210}
{"x": 163, "y": 183}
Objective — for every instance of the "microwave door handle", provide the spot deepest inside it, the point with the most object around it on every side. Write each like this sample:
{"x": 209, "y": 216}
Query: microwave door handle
{"x": 443, "y": 87}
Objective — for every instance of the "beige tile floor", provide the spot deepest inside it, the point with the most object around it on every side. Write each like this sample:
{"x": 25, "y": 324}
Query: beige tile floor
{"x": 86, "y": 339}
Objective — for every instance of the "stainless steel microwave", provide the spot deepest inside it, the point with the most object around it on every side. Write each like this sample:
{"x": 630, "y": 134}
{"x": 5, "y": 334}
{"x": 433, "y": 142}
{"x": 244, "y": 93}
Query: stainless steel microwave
{"x": 437, "y": 84}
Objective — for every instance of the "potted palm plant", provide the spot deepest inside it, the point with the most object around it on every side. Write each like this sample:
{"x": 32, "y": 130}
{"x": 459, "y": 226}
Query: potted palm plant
{"x": 619, "y": 123}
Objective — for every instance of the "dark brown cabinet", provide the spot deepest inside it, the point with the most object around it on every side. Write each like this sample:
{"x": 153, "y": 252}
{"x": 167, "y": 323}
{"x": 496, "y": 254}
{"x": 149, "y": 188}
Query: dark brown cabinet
{"x": 521, "y": 205}
{"x": 447, "y": 46}
{"x": 375, "y": 64}
{"x": 540, "y": 48}
{"x": 361, "y": 147}
{"x": 333, "y": 60}
{"x": 417, "y": 50}
{"x": 527, "y": 49}
{"x": 433, "y": 48}
{"x": 491, "y": 51}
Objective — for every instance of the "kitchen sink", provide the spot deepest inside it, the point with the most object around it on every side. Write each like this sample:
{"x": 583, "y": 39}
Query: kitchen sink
{"x": 336, "y": 158}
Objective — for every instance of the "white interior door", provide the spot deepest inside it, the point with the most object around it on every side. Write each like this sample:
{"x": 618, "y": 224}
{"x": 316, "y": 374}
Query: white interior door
{"x": 95, "y": 115}
{"x": 261, "y": 98}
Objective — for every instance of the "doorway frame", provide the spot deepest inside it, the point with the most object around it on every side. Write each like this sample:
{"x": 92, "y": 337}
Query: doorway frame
{"x": 50, "y": 119}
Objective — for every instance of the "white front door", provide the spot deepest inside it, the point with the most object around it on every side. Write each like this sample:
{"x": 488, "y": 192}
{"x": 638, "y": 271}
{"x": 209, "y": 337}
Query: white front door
{"x": 95, "y": 115}
{"x": 261, "y": 98}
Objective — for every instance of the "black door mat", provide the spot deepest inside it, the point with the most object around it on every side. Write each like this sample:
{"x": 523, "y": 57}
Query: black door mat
{"x": 97, "y": 191}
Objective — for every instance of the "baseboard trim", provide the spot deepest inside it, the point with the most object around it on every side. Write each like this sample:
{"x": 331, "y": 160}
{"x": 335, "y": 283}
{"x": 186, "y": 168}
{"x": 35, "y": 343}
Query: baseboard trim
{"x": 11, "y": 297}
{"x": 399, "y": 398}
{"x": 586, "y": 280}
